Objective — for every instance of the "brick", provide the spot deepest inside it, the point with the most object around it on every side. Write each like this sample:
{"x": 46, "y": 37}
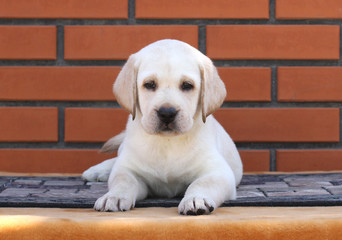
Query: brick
{"x": 309, "y": 160}
{"x": 281, "y": 125}
{"x": 300, "y": 193}
{"x": 244, "y": 125}
{"x": 90, "y": 9}
{"x": 336, "y": 190}
{"x": 280, "y": 193}
{"x": 268, "y": 186}
{"x": 273, "y": 42}
{"x": 308, "y": 9}
{"x": 90, "y": 194}
{"x": 98, "y": 186}
{"x": 249, "y": 194}
{"x": 57, "y": 83}
{"x": 49, "y": 160}
{"x": 28, "y": 42}
{"x": 28, "y": 124}
{"x": 95, "y": 83}
{"x": 313, "y": 192}
{"x": 118, "y": 42}
{"x": 224, "y": 9}
{"x": 20, "y": 192}
{"x": 255, "y": 160}
{"x": 308, "y": 183}
{"x": 246, "y": 83}
{"x": 57, "y": 193}
{"x": 27, "y": 182}
{"x": 332, "y": 177}
{"x": 71, "y": 183}
{"x": 300, "y": 84}
{"x": 93, "y": 125}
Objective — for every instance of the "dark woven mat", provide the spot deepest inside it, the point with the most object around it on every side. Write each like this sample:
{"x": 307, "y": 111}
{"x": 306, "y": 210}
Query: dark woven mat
{"x": 255, "y": 190}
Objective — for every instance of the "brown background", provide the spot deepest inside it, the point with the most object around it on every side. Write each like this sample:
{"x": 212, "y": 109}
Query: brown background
{"x": 280, "y": 61}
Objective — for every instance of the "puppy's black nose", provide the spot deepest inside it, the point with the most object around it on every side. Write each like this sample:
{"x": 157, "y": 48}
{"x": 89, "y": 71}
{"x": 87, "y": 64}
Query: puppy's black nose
{"x": 167, "y": 115}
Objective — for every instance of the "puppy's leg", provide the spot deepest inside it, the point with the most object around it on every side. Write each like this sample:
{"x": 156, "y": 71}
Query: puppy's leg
{"x": 124, "y": 190}
{"x": 99, "y": 172}
{"x": 207, "y": 193}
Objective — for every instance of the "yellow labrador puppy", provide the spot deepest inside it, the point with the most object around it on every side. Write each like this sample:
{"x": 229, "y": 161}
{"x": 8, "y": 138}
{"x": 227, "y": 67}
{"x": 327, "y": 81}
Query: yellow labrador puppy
{"x": 172, "y": 144}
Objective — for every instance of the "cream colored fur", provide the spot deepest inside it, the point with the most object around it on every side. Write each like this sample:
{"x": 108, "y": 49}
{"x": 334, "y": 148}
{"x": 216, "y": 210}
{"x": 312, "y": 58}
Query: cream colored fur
{"x": 195, "y": 157}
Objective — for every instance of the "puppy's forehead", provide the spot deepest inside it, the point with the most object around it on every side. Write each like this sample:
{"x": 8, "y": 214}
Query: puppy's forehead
{"x": 169, "y": 63}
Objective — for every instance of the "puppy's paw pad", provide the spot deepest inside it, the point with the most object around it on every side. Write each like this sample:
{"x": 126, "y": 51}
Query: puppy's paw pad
{"x": 111, "y": 203}
{"x": 196, "y": 206}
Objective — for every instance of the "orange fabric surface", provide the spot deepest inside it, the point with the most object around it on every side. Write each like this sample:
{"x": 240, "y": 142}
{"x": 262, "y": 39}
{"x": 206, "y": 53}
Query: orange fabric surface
{"x": 240, "y": 223}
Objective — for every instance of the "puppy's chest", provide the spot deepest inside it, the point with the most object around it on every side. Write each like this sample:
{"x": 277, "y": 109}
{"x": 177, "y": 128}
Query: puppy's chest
{"x": 165, "y": 185}
{"x": 167, "y": 177}
{"x": 170, "y": 166}
{"x": 166, "y": 167}
{"x": 168, "y": 174}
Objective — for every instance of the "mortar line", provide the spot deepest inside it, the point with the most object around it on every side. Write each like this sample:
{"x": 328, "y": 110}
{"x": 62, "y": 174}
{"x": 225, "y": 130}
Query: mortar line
{"x": 131, "y": 12}
{"x": 274, "y": 85}
{"x": 272, "y": 13}
{"x": 61, "y": 126}
{"x": 202, "y": 39}
{"x": 273, "y": 160}
{"x": 60, "y": 46}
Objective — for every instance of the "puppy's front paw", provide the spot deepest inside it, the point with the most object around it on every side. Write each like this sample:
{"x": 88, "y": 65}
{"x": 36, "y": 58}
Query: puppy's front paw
{"x": 110, "y": 202}
{"x": 193, "y": 205}
{"x": 96, "y": 174}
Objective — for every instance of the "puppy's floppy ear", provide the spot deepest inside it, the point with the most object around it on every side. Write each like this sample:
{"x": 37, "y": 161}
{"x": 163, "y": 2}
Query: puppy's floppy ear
{"x": 213, "y": 90}
{"x": 125, "y": 86}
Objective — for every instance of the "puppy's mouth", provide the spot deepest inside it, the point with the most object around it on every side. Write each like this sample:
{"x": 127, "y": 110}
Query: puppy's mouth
{"x": 167, "y": 128}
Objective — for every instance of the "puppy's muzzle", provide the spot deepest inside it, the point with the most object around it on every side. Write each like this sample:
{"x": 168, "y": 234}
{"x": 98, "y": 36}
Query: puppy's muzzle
{"x": 167, "y": 115}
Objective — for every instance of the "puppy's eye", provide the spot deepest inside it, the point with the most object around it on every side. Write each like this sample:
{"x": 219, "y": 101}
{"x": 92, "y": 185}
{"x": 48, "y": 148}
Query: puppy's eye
{"x": 150, "y": 85}
{"x": 186, "y": 86}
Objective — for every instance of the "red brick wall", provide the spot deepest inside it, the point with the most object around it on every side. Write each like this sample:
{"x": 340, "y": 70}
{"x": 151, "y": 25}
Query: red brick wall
{"x": 280, "y": 60}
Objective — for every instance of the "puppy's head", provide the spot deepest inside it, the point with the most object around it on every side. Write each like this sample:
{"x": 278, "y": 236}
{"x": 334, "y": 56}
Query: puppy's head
{"x": 167, "y": 85}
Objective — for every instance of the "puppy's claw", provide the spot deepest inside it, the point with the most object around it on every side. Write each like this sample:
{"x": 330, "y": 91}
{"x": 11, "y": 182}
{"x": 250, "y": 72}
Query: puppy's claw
{"x": 196, "y": 206}
{"x": 111, "y": 203}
